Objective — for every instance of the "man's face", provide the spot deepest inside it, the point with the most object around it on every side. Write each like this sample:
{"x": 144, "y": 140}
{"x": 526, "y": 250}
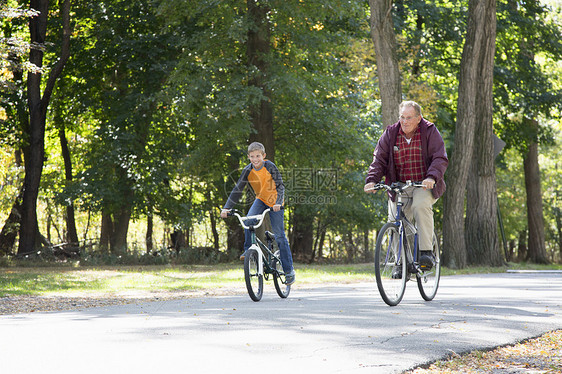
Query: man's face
{"x": 409, "y": 120}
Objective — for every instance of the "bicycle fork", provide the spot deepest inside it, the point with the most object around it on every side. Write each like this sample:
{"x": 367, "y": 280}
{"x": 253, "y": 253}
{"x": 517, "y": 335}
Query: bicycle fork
{"x": 260, "y": 257}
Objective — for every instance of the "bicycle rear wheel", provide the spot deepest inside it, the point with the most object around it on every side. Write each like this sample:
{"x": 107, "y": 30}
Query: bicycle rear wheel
{"x": 281, "y": 288}
{"x": 428, "y": 281}
{"x": 254, "y": 280}
{"x": 390, "y": 265}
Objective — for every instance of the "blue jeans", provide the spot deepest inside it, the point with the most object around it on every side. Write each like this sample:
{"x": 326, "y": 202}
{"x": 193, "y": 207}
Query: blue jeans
{"x": 278, "y": 227}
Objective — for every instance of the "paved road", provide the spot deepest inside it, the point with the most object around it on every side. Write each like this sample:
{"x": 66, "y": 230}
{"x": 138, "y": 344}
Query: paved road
{"x": 336, "y": 329}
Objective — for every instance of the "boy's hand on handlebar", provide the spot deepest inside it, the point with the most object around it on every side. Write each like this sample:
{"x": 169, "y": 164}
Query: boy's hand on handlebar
{"x": 224, "y": 213}
{"x": 276, "y": 207}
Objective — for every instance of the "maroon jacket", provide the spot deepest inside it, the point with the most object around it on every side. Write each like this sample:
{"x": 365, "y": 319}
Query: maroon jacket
{"x": 433, "y": 154}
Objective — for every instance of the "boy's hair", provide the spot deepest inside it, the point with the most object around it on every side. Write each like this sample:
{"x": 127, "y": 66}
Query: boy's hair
{"x": 256, "y": 146}
{"x": 411, "y": 104}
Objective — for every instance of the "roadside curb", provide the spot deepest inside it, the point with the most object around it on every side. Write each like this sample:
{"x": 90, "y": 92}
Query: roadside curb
{"x": 535, "y": 271}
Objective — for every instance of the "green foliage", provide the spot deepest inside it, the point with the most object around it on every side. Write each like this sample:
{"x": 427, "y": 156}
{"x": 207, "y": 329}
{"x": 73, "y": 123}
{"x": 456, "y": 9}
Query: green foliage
{"x": 319, "y": 120}
{"x": 523, "y": 86}
{"x": 14, "y": 45}
{"x": 154, "y": 102}
{"x": 135, "y": 147}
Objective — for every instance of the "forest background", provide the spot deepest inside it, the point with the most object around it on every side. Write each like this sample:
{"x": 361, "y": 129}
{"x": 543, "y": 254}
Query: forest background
{"x": 124, "y": 124}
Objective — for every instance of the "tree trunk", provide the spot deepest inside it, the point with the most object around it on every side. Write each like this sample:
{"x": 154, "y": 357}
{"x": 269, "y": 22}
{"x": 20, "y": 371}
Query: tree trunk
{"x": 535, "y": 219}
{"x": 234, "y": 233}
{"x": 149, "y": 232}
{"x": 482, "y": 202}
{"x": 37, "y": 106}
{"x": 351, "y": 249}
{"x": 213, "y": 218}
{"x": 367, "y": 253}
{"x": 11, "y": 227}
{"x": 106, "y": 231}
{"x": 318, "y": 241}
{"x": 257, "y": 50}
{"x": 522, "y": 246}
{"x": 477, "y": 58}
{"x": 388, "y": 70}
{"x": 234, "y": 238}
{"x": 71, "y": 233}
{"x": 320, "y": 253}
{"x": 302, "y": 236}
{"x": 481, "y": 220}
{"x": 121, "y": 229}
{"x": 511, "y": 252}
{"x": 178, "y": 239}
{"x": 558, "y": 213}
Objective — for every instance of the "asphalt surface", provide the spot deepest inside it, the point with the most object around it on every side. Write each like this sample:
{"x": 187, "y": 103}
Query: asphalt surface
{"x": 332, "y": 329}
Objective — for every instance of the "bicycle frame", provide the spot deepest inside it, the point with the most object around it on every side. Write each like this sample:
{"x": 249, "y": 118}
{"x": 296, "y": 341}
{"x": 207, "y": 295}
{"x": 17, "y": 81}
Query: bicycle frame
{"x": 400, "y": 220}
{"x": 403, "y": 223}
{"x": 257, "y": 244}
{"x": 399, "y": 241}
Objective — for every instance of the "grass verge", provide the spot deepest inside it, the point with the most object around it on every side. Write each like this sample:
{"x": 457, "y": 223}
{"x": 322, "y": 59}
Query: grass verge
{"x": 67, "y": 280}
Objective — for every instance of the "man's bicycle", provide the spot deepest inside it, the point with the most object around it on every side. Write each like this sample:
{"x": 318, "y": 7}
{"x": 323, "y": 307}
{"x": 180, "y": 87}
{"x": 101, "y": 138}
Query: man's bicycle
{"x": 260, "y": 261}
{"x": 397, "y": 254}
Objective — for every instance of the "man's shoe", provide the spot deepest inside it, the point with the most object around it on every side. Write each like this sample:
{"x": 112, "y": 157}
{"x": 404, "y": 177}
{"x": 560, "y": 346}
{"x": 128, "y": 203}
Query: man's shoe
{"x": 426, "y": 260}
{"x": 397, "y": 272}
{"x": 243, "y": 255}
{"x": 290, "y": 278}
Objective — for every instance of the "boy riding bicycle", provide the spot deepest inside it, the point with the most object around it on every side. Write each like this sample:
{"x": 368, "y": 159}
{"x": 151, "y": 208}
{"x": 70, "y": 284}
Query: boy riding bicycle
{"x": 267, "y": 183}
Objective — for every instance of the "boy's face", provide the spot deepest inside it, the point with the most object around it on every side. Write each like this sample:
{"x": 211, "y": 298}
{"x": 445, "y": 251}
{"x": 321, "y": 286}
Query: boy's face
{"x": 256, "y": 158}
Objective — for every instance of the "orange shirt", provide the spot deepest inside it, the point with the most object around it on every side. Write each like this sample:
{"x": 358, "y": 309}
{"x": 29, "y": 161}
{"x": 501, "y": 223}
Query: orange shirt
{"x": 266, "y": 182}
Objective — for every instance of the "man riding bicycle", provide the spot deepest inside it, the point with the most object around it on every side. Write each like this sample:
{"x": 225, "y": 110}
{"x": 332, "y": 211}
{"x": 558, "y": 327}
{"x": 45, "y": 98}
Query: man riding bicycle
{"x": 412, "y": 149}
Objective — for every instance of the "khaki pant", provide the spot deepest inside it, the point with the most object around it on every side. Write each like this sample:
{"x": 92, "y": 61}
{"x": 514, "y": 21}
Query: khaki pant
{"x": 418, "y": 204}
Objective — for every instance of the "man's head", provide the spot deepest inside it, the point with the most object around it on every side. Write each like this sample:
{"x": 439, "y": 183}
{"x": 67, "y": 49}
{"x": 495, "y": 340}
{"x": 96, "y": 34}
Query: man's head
{"x": 410, "y": 117}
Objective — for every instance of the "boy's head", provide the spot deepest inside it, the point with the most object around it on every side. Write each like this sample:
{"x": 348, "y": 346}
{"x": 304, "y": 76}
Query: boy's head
{"x": 256, "y": 154}
{"x": 256, "y": 146}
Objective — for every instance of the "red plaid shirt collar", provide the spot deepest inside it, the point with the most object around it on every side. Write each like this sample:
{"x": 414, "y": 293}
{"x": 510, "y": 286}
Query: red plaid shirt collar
{"x": 408, "y": 158}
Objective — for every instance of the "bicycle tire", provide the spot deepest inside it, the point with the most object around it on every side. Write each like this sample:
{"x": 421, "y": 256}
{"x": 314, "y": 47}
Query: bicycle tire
{"x": 387, "y": 261}
{"x": 428, "y": 281}
{"x": 254, "y": 280}
{"x": 282, "y": 289}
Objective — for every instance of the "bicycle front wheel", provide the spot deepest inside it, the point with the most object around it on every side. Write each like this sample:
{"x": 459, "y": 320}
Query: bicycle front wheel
{"x": 428, "y": 281}
{"x": 254, "y": 280}
{"x": 281, "y": 288}
{"x": 390, "y": 265}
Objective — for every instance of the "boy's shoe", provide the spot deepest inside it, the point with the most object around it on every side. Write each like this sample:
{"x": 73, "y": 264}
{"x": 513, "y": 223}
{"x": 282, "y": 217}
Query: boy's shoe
{"x": 426, "y": 260}
{"x": 290, "y": 278}
{"x": 397, "y": 272}
{"x": 243, "y": 255}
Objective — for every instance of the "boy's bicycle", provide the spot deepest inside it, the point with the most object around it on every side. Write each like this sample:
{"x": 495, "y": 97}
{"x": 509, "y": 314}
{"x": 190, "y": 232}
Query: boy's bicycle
{"x": 397, "y": 254}
{"x": 260, "y": 261}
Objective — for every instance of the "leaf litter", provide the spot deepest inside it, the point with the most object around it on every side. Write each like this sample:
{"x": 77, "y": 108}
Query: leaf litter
{"x": 533, "y": 356}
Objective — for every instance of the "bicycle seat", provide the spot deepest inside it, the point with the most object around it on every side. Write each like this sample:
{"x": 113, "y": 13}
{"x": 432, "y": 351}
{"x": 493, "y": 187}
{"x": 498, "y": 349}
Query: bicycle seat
{"x": 269, "y": 235}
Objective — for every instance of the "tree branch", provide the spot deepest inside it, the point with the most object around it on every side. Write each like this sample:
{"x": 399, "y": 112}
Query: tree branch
{"x": 65, "y": 54}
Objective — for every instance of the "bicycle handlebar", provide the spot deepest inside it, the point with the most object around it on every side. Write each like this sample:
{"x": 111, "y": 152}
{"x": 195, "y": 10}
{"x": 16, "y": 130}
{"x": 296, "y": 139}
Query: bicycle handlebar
{"x": 397, "y": 187}
{"x": 259, "y": 217}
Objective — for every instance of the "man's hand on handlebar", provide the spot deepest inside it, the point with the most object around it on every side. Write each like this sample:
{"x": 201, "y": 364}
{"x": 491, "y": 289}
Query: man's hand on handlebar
{"x": 277, "y": 207}
{"x": 428, "y": 183}
{"x": 369, "y": 188}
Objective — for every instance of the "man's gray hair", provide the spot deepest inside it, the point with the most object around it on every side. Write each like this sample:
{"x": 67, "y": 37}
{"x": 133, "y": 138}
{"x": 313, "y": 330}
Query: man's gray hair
{"x": 411, "y": 104}
{"x": 256, "y": 146}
